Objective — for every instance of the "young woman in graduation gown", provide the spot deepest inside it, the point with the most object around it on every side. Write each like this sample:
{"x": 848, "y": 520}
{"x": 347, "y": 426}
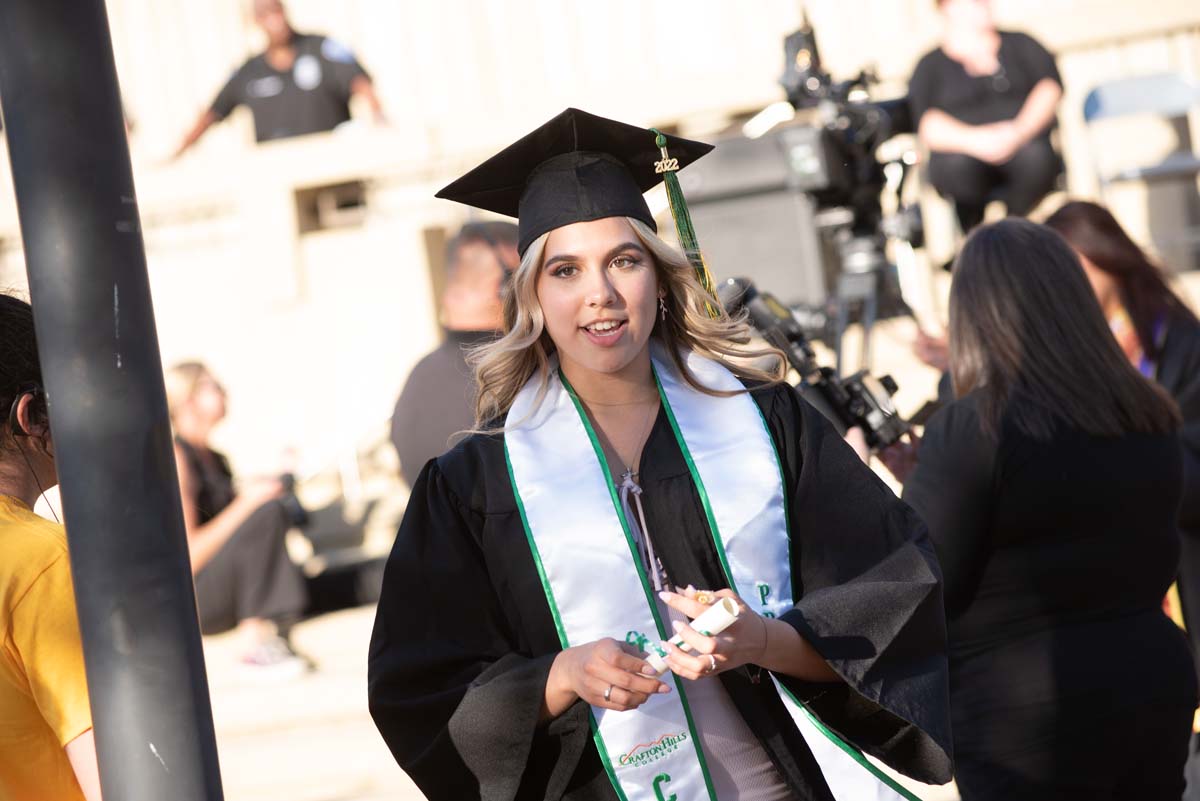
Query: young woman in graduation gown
{"x": 625, "y": 461}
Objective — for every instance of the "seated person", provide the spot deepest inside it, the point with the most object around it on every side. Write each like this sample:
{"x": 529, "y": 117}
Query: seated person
{"x": 438, "y": 397}
{"x": 47, "y": 750}
{"x": 244, "y": 577}
{"x": 985, "y": 102}
{"x": 301, "y": 84}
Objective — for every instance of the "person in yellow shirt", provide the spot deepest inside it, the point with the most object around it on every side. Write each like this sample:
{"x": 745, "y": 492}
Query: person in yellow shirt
{"x": 47, "y": 751}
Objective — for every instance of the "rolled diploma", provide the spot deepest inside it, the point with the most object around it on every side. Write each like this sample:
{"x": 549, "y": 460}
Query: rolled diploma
{"x": 712, "y": 622}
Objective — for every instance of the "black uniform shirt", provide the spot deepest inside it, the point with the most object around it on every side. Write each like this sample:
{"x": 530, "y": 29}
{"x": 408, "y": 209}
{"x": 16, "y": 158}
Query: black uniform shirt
{"x": 312, "y": 96}
{"x": 437, "y": 402}
{"x": 941, "y": 82}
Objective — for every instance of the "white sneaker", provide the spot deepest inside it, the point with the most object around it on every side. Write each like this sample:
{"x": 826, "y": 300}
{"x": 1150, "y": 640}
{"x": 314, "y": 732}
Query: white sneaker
{"x": 274, "y": 660}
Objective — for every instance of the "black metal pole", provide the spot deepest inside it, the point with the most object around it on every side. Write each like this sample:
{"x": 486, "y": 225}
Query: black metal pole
{"x": 100, "y": 359}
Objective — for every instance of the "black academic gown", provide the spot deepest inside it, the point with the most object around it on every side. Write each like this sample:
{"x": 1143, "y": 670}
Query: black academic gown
{"x": 464, "y": 639}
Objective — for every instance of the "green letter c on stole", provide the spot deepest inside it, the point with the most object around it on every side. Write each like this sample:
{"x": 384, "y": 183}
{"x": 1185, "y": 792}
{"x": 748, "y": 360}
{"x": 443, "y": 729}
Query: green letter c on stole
{"x": 659, "y": 780}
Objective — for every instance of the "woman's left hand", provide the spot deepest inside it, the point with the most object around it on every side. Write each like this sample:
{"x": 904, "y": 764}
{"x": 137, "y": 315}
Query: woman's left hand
{"x": 901, "y": 457}
{"x": 857, "y": 440}
{"x": 744, "y": 642}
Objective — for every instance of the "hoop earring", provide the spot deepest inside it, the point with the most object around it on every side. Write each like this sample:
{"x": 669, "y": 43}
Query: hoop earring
{"x": 662, "y": 307}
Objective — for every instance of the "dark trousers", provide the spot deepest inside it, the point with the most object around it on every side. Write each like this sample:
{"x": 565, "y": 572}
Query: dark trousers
{"x": 1020, "y": 183}
{"x": 1133, "y": 754}
{"x": 252, "y": 576}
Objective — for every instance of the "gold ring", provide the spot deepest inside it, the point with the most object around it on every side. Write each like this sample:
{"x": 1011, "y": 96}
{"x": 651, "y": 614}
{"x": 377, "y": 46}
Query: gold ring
{"x": 705, "y": 597}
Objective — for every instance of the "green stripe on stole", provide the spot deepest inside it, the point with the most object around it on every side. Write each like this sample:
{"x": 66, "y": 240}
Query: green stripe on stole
{"x": 577, "y": 532}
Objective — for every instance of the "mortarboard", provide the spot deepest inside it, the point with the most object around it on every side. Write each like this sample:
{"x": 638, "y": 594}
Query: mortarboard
{"x": 576, "y": 167}
{"x": 579, "y": 167}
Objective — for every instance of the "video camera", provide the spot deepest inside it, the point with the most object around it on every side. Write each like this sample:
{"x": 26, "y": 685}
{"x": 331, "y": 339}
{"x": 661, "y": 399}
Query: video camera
{"x": 844, "y": 170}
{"x": 835, "y": 160}
{"x": 858, "y": 400}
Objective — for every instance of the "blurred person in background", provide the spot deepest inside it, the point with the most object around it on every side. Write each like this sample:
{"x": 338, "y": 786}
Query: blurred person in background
{"x": 236, "y": 538}
{"x": 1161, "y": 338}
{"x": 1051, "y": 488}
{"x": 985, "y": 103}
{"x": 438, "y": 398}
{"x": 301, "y": 84}
{"x": 47, "y": 749}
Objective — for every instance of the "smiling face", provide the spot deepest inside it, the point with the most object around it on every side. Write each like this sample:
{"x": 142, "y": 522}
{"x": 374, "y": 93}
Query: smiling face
{"x": 598, "y": 289}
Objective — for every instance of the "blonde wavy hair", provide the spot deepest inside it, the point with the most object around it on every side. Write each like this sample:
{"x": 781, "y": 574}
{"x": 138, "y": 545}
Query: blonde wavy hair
{"x": 180, "y": 381}
{"x": 504, "y": 366}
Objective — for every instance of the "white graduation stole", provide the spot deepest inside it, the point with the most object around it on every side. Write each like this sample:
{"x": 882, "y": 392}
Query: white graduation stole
{"x": 596, "y": 586}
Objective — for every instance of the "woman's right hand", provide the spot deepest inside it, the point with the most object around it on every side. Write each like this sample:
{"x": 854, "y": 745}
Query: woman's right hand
{"x": 587, "y": 671}
{"x": 255, "y": 492}
{"x": 995, "y": 142}
{"x": 901, "y": 457}
{"x": 933, "y": 349}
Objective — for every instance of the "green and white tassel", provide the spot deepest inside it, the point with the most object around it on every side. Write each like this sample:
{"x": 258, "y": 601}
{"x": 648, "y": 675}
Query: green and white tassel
{"x": 683, "y": 222}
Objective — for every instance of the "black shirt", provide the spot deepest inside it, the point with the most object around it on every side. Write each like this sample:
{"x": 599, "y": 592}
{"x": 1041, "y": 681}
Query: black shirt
{"x": 438, "y": 401}
{"x": 1056, "y": 556}
{"x": 456, "y": 688}
{"x": 314, "y": 95}
{"x": 212, "y": 478}
{"x": 941, "y": 82}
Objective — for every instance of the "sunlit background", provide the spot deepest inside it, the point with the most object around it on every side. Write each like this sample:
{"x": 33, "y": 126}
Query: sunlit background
{"x": 305, "y": 271}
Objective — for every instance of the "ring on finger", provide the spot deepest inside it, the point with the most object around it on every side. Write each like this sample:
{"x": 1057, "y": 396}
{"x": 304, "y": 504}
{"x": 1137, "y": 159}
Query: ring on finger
{"x": 712, "y": 664}
{"x": 608, "y": 693}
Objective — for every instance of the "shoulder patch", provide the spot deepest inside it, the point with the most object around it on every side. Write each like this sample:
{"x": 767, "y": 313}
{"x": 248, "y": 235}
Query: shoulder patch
{"x": 333, "y": 50}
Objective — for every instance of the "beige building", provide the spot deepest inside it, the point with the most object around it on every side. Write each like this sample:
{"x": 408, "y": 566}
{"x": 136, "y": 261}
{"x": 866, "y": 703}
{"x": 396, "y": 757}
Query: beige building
{"x": 304, "y": 271}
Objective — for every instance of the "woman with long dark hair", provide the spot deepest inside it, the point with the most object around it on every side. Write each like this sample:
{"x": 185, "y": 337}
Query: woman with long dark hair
{"x": 1050, "y": 486}
{"x": 1159, "y": 335}
{"x": 1155, "y": 329}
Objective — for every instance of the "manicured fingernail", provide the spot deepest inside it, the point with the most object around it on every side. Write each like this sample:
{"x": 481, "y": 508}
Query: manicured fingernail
{"x": 662, "y": 688}
{"x": 665, "y": 596}
{"x": 648, "y": 670}
{"x": 690, "y": 588}
{"x": 677, "y": 625}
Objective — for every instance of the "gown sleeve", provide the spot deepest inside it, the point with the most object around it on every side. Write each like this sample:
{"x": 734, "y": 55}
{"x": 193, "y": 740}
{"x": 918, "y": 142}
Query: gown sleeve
{"x": 869, "y": 600}
{"x": 454, "y": 699}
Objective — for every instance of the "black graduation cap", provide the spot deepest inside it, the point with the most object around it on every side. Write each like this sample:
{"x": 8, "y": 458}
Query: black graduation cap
{"x": 576, "y": 167}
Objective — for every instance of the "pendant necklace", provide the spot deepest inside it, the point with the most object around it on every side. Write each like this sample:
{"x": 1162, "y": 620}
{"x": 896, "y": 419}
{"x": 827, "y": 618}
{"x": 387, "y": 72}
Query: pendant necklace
{"x": 630, "y": 473}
